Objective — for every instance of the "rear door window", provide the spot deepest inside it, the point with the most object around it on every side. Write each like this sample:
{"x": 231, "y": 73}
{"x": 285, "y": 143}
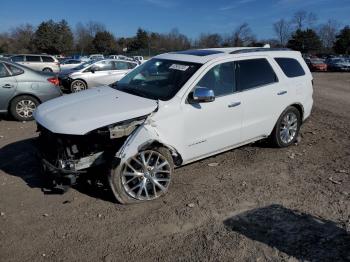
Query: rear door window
{"x": 33, "y": 58}
{"x": 254, "y": 73}
{"x": 47, "y": 59}
{"x": 291, "y": 67}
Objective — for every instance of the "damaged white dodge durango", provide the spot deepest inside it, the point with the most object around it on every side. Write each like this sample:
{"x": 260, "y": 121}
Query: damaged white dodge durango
{"x": 172, "y": 110}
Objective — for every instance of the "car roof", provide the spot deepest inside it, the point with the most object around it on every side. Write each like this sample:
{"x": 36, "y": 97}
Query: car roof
{"x": 203, "y": 56}
{"x": 34, "y": 55}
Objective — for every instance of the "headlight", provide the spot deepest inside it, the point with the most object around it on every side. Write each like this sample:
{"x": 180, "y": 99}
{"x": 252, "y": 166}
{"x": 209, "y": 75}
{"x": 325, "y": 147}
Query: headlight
{"x": 121, "y": 129}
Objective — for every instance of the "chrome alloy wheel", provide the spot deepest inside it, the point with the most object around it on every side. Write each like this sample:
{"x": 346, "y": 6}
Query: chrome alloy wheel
{"x": 25, "y": 108}
{"x": 289, "y": 127}
{"x": 78, "y": 86}
{"x": 146, "y": 176}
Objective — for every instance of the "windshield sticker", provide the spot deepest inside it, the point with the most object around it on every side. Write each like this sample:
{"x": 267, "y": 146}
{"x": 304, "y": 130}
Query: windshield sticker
{"x": 179, "y": 67}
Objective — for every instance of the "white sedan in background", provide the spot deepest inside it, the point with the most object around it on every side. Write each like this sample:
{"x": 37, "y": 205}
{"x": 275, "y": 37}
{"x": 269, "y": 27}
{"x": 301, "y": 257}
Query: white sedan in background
{"x": 95, "y": 73}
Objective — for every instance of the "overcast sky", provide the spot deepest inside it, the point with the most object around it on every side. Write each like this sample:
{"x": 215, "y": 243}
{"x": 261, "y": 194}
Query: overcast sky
{"x": 123, "y": 17}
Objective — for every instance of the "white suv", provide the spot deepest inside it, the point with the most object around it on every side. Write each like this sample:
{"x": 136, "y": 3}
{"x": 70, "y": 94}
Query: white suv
{"x": 46, "y": 63}
{"x": 172, "y": 110}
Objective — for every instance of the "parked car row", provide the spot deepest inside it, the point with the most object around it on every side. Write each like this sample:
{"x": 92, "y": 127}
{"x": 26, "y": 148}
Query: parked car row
{"x": 49, "y": 63}
{"x": 332, "y": 64}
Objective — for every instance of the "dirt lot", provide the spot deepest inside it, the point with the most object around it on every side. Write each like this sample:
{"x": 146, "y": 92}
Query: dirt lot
{"x": 257, "y": 204}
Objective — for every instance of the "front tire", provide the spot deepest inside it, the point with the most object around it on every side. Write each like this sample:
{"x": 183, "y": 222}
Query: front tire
{"x": 143, "y": 177}
{"x": 287, "y": 128}
{"x": 77, "y": 86}
{"x": 23, "y": 107}
{"x": 47, "y": 69}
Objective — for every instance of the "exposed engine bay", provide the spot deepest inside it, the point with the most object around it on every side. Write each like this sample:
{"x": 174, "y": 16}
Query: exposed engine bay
{"x": 65, "y": 157}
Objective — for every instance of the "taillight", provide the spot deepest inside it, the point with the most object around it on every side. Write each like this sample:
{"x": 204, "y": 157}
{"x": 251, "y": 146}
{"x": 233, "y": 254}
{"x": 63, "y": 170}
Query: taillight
{"x": 54, "y": 80}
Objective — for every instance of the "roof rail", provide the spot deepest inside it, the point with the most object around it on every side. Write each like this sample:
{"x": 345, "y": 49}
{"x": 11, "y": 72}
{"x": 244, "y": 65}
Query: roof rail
{"x": 261, "y": 49}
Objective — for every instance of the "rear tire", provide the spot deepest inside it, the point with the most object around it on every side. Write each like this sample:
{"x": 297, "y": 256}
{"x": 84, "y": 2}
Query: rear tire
{"x": 287, "y": 128}
{"x": 144, "y": 177}
{"x": 23, "y": 107}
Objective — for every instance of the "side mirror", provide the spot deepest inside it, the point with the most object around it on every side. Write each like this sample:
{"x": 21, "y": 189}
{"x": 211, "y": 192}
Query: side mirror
{"x": 93, "y": 70}
{"x": 202, "y": 95}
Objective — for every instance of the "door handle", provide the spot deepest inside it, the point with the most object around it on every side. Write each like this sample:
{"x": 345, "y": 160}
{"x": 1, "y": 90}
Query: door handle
{"x": 234, "y": 104}
{"x": 280, "y": 93}
{"x": 7, "y": 86}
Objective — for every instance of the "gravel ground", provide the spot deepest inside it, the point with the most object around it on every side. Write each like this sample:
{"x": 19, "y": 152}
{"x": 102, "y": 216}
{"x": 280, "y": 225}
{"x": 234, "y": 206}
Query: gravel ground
{"x": 257, "y": 203}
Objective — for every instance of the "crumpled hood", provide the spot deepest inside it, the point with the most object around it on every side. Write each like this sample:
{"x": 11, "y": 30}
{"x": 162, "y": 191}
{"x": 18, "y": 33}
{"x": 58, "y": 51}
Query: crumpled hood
{"x": 80, "y": 113}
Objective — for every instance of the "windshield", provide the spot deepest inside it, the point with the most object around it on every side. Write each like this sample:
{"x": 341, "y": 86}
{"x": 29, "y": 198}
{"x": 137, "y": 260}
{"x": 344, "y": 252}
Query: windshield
{"x": 84, "y": 65}
{"x": 157, "y": 78}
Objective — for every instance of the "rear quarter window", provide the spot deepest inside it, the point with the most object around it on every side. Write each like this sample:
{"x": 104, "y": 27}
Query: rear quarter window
{"x": 47, "y": 59}
{"x": 14, "y": 70}
{"x": 290, "y": 66}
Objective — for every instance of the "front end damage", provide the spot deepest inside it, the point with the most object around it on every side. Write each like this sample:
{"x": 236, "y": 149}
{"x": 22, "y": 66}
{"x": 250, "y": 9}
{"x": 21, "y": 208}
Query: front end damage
{"x": 65, "y": 158}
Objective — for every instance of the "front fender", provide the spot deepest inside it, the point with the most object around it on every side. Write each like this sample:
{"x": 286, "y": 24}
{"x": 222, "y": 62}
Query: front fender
{"x": 144, "y": 137}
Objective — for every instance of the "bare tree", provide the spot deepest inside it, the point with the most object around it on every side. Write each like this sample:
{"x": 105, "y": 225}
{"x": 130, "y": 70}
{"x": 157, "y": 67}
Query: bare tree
{"x": 303, "y": 19}
{"x": 328, "y": 33}
{"x": 242, "y": 36}
{"x": 22, "y": 37}
{"x": 208, "y": 41}
{"x": 84, "y": 35}
{"x": 283, "y": 31}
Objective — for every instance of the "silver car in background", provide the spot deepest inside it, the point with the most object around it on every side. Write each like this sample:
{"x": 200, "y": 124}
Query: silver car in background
{"x": 23, "y": 89}
{"x": 70, "y": 63}
{"x": 95, "y": 73}
{"x": 46, "y": 63}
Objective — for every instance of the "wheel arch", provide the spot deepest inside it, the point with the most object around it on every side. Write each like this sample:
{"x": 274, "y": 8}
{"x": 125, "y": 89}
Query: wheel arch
{"x": 300, "y": 109}
{"x": 156, "y": 143}
{"x": 22, "y": 94}
{"x": 145, "y": 138}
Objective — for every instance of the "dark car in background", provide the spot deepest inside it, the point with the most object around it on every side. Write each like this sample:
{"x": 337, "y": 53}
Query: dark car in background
{"x": 338, "y": 64}
{"x": 23, "y": 89}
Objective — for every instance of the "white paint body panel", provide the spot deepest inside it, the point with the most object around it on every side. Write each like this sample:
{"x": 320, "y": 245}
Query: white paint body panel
{"x": 193, "y": 131}
{"x": 80, "y": 113}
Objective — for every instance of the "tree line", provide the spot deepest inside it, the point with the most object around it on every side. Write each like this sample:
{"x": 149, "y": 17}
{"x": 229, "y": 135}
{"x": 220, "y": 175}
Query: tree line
{"x": 301, "y": 32}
